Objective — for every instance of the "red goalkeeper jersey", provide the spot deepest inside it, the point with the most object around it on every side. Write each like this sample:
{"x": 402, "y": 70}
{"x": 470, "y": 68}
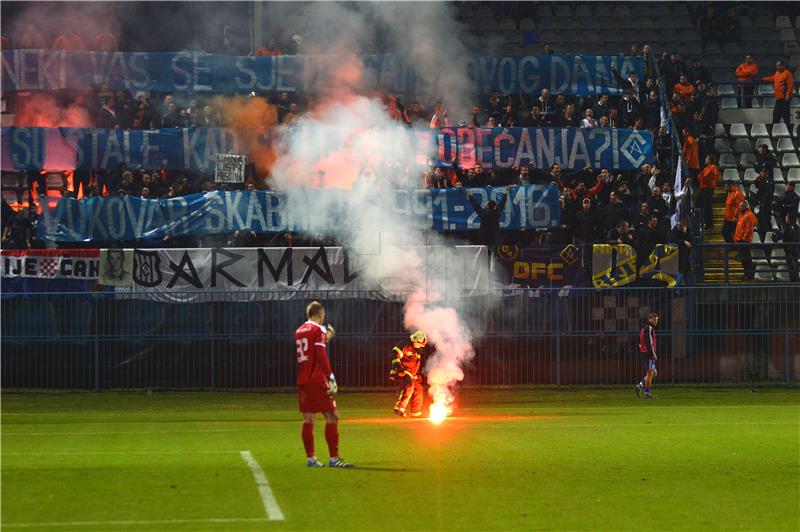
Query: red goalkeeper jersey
{"x": 312, "y": 355}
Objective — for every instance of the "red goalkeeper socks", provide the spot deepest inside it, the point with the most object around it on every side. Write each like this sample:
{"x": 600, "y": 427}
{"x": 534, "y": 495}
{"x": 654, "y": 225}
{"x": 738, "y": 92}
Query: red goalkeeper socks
{"x": 308, "y": 438}
{"x": 332, "y": 437}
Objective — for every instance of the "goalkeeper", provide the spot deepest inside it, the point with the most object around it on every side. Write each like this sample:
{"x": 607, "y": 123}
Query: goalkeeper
{"x": 406, "y": 366}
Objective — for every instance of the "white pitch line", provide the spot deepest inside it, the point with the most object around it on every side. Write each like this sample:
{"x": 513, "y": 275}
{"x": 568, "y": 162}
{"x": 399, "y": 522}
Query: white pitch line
{"x": 80, "y": 453}
{"x": 73, "y": 524}
{"x": 267, "y": 497}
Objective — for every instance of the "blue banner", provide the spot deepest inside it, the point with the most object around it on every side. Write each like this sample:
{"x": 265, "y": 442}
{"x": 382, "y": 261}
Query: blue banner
{"x": 128, "y": 218}
{"x": 194, "y": 149}
{"x": 540, "y": 266}
{"x": 619, "y": 149}
{"x": 200, "y": 72}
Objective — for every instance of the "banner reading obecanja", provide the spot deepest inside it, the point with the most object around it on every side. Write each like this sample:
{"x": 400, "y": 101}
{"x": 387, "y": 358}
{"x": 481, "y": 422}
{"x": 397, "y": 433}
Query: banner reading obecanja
{"x": 196, "y": 149}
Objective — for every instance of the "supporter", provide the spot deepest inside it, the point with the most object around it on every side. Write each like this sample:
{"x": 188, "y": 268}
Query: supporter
{"x": 228, "y": 44}
{"x": 602, "y": 107}
{"x": 490, "y": 219}
{"x": 490, "y": 122}
{"x": 632, "y": 84}
{"x": 708, "y": 182}
{"x": 691, "y": 153}
{"x": 145, "y": 193}
{"x": 651, "y": 112}
{"x": 613, "y": 213}
{"x": 783, "y": 83}
{"x": 764, "y": 188}
{"x": 765, "y": 160}
{"x": 648, "y": 237}
{"x": 788, "y": 204}
{"x": 123, "y": 108}
{"x": 417, "y": 115}
{"x": 295, "y": 45}
{"x": 439, "y": 118}
{"x": 682, "y": 237}
{"x": 684, "y": 90}
{"x": 105, "y": 41}
{"x": 69, "y": 41}
{"x": 698, "y": 72}
{"x": 668, "y": 196}
{"x": 586, "y": 224}
{"x": 588, "y": 119}
{"x": 790, "y": 234}
{"x": 18, "y": 232}
{"x": 648, "y": 60}
{"x": 509, "y": 117}
{"x": 672, "y": 69}
{"x": 546, "y": 107}
{"x": 494, "y": 106}
{"x": 173, "y": 117}
{"x": 711, "y": 28}
{"x": 568, "y": 118}
{"x": 764, "y": 219}
{"x": 621, "y": 234}
{"x": 438, "y": 179}
{"x": 635, "y": 51}
{"x": 547, "y": 49}
{"x": 731, "y": 29}
{"x": 32, "y": 39}
{"x": 640, "y": 219}
{"x": 613, "y": 121}
{"x": 657, "y": 205}
{"x": 270, "y": 49}
{"x": 628, "y": 109}
{"x": 107, "y": 117}
{"x": 127, "y": 187}
{"x": 603, "y": 122}
{"x": 476, "y": 116}
{"x": 731, "y": 212}
{"x": 709, "y": 107}
{"x": 535, "y": 118}
{"x": 559, "y": 105}
{"x": 744, "y": 235}
{"x": 243, "y": 239}
{"x": 746, "y": 73}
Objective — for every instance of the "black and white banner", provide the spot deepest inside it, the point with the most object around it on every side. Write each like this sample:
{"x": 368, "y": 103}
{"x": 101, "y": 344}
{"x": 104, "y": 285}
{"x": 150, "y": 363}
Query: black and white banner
{"x": 242, "y": 274}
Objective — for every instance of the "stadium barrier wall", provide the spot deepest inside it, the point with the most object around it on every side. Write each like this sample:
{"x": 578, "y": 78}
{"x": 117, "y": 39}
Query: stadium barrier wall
{"x": 566, "y": 336}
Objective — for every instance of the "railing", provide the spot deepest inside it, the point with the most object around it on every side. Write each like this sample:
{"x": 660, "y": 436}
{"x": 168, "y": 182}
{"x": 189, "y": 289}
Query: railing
{"x": 546, "y": 336}
{"x": 767, "y": 260}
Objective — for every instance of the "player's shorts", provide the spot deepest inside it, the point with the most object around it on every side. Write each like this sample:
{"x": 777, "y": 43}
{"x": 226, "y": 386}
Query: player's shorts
{"x": 313, "y": 398}
{"x": 649, "y": 364}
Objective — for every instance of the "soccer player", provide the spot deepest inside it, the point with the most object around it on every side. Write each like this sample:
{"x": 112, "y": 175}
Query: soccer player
{"x": 316, "y": 385}
{"x": 406, "y": 366}
{"x": 647, "y": 348}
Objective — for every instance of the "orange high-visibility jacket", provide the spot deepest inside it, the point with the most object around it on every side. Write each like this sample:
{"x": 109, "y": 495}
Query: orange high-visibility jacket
{"x": 745, "y": 227}
{"x": 783, "y": 83}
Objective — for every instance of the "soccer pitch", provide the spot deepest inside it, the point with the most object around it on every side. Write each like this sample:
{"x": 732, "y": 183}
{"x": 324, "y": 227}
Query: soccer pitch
{"x": 521, "y": 459}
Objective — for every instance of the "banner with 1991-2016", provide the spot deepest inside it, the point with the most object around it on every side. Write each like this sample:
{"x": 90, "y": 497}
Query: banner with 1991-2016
{"x": 130, "y": 218}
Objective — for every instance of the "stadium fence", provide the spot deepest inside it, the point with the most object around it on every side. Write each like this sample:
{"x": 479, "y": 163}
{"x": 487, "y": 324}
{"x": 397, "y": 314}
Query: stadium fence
{"x": 567, "y": 336}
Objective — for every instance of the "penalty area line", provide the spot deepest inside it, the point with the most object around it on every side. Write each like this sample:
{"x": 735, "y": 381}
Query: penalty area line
{"x": 267, "y": 497}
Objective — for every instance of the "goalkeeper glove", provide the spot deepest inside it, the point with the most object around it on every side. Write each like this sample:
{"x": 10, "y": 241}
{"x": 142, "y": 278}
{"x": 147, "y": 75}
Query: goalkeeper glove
{"x": 332, "y": 386}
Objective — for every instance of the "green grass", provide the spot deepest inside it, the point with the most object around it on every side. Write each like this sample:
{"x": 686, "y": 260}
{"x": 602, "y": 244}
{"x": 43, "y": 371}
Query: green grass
{"x": 578, "y": 459}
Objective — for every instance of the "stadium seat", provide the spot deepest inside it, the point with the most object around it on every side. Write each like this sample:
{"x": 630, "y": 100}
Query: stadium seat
{"x": 622, "y": 10}
{"x": 764, "y": 22}
{"x": 787, "y": 36}
{"x": 780, "y": 130}
{"x": 719, "y": 130}
{"x": 582, "y": 10}
{"x": 726, "y": 160}
{"x": 768, "y": 101}
{"x": 484, "y": 13}
{"x": 784, "y": 145}
{"x": 726, "y": 90}
{"x": 743, "y": 146}
{"x": 527, "y": 24}
{"x": 793, "y": 176}
{"x": 767, "y": 141}
{"x": 777, "y": 176}
{"x": 747, "y": 160}
{"x": 790, "y": 160}
{"x": 722, "y": 145}
{"x": 731, "y": 174}
{"x": 759, "y": 130}
{"x": 756, "y": 103}
{"x": 729, "y": 103}
{"x": 781, "y": 268}
{"x": 765, "y": 89}
{"x": 797, "y": 22}
{"x": 795, "y": 103}
{"x": 750, "y": 175}
{"x": 782, "y": 23}
{"x": 544, "y": 11}
{"x": 763, "y": 271}
{"x": 738, "y": 131}
{"x": 507, "y": 24}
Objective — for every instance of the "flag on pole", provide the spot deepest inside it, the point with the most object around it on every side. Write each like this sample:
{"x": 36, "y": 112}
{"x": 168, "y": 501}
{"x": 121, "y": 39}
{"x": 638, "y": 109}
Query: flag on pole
{"x": 679, "y": 193}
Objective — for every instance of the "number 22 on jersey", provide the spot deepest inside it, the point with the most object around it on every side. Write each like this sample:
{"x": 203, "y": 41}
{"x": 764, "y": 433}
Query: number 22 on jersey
{"x": 302, "y": 349}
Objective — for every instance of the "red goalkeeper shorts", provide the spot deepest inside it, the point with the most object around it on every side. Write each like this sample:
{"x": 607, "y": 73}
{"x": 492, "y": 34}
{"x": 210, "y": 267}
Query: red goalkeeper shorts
{"x": 314, "y": 398}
